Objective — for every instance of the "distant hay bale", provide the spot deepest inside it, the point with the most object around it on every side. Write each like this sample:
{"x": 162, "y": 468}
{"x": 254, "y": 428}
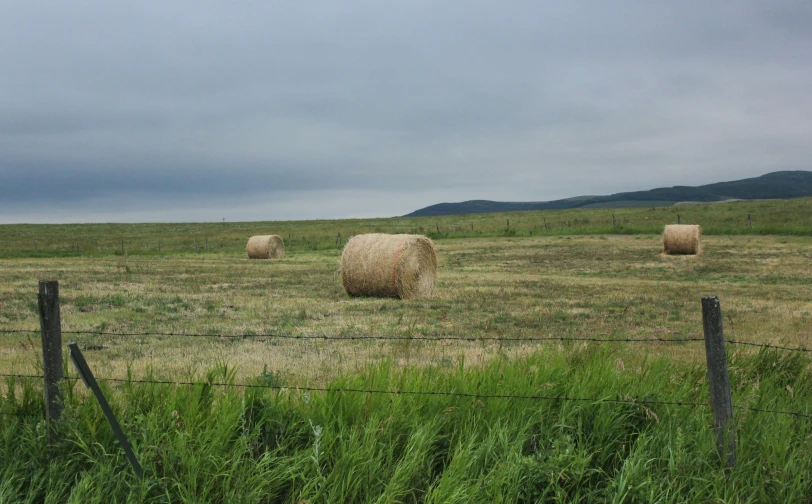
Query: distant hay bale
{"x": 682, "y": 239}
{"x": 383, "y": 265}
{"x": 265, "y": 247}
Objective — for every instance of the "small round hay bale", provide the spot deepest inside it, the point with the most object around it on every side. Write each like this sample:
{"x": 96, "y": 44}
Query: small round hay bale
{"x": 682, "y": 239}
{"x": 265, "y": 247}
{"x": 384, "y": 265}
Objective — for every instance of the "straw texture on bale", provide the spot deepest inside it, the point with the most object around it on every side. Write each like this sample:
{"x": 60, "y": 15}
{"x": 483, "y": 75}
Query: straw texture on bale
{"x": 383, "y": 265}
{"x": 682, "y": 239}
{"x": 265, "y": 247}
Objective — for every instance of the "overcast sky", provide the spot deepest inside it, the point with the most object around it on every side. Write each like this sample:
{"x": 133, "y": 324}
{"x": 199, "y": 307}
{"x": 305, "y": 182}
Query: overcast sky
{"x": 203, "y": 110}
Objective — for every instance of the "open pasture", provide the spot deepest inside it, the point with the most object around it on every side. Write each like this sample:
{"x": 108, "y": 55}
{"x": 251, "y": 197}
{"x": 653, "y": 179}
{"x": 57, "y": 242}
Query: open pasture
{"x": 478, "y": 417}
{"x": 769, "y": 217}
{"x": 599, "y": 286}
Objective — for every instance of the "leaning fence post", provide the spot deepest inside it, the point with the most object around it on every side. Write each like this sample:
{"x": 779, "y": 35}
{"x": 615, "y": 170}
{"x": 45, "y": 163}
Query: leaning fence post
{"x": 48, "y": 301}
{"x": 719, "y": 382}
{"x": 90, "y": 381}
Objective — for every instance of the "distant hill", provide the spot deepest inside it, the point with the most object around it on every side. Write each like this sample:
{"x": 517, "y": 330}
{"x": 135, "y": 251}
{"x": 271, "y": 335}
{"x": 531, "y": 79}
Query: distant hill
{"x": 775, "y": 185}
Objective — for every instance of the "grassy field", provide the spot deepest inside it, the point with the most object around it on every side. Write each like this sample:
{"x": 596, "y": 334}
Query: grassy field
{"x": 771, "y": 217}
{"x": 204, "y": 444}
{"x": 611, "y": 287}
{"x": 216, "y": 444}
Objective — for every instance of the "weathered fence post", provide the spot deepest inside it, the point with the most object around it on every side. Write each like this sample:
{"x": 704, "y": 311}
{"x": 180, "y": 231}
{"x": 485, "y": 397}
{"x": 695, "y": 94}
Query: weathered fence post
{"x": 338, "y": 238}
{"x": 678, "y": 219}
{"x": 207, "y": 243}
{"x": 438, "y": 227}
{"x": 545, "y": 223}
{"x": 718, "y": 380}
{"x": 122, "y": 245}
{"x": 749, "y": 222}
{"x": 50, "y": 327}
{"x": 508, "y": 223}
{"x": 613, "y": 220}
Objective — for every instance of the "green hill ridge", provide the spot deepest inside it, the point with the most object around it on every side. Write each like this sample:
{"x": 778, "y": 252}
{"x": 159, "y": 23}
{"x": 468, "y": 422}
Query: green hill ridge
{"x": 775, "y": 185}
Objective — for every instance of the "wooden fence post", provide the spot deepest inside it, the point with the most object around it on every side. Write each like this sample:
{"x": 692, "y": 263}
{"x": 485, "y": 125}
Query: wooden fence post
{"x": 718, "y": 380}
{"x": 51, "y": 330}
{"x": 438, "y": 227}
{"x": 678, "y": 219}
{"x": 508, "y": 223}
{"x": 613, "y": 220}
{"x": 749, "y": 222}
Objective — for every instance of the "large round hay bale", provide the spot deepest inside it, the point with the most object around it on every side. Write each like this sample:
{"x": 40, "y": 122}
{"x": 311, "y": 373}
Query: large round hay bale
{"x": 384, "y": 265}
{"x": 265, "y": 247}
{"x": 682, "y": 239}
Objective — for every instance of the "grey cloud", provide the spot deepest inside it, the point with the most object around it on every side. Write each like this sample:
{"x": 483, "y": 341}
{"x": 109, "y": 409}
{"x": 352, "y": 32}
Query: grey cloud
{"x": 473, "y": 99}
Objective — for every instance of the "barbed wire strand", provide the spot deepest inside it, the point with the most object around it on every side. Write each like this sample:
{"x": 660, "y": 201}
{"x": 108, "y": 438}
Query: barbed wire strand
{"x": 769, "y": 345}
{"x": 442, "y": 393}
{"x": 440, "y": 338}
{"x": 418, "y": 393}
{"x": 13, "y": 375}
{"x": 397, "y": 338}
{"x": 384, "y": 338}
{"x": 412, "y": 338}
{"x": 778, "y": 412}
{"x": 373, "y": 391}
{"x": 404, "y": 392}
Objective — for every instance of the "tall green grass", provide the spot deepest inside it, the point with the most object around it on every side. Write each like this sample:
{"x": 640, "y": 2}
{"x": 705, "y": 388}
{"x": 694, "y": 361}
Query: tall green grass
{"x": 204, "y": 443}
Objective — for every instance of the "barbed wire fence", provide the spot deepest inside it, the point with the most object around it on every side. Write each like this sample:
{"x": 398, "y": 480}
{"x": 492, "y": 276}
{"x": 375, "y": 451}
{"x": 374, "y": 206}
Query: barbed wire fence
{"x": 306, "y": 388}
{"x": 720, "y": 404}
